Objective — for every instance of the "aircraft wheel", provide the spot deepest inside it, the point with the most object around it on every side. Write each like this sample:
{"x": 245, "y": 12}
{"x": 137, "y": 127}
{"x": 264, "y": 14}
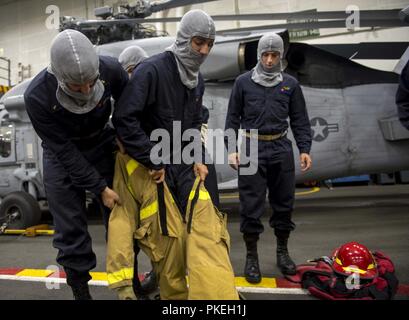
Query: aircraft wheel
{"x": 23, "y": 207}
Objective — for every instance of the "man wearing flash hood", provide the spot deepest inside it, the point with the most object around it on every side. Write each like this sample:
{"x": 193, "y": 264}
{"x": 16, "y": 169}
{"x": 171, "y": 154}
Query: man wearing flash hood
{"x": 69, "y": 104}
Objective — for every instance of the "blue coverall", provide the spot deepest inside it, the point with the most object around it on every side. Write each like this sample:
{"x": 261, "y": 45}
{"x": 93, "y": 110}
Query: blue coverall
{"x": 78, "y": 155}
{"x": 267, "y": 109}
{"x": 154, "y": 98}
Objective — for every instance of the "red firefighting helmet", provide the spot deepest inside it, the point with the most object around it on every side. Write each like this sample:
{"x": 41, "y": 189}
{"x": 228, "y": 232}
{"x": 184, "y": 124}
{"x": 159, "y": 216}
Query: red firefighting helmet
{"x": 353, "y": 257}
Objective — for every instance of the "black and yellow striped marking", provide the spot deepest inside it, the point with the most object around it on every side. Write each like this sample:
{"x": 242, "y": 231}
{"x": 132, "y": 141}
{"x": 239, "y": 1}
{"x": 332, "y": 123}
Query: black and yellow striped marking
{"x": 4, "y": 89}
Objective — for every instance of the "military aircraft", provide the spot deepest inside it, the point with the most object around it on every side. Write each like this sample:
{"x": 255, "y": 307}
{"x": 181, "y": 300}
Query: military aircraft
{"x": 351, "y": 108}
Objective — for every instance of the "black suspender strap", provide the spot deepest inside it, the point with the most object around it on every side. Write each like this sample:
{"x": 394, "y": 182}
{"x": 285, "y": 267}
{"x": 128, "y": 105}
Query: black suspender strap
{"x": 162, "y": 209}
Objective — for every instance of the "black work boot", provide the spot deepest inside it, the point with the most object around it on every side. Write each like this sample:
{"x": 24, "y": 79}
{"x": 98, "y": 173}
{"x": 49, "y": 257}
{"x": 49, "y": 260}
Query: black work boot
{"x": 252, "y": 269}
{"x": 284, "y": 262}
{"x": 81, "y": 291}
{"x": 147, "y": 286}
{"x": 139, "y": 287}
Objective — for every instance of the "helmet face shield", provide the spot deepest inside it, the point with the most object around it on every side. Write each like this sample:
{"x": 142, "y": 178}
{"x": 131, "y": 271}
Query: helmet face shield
{"x": 353, "y": 257}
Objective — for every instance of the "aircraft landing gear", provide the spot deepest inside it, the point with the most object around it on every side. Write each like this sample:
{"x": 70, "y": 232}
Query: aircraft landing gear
{"x": 19, "y": 210}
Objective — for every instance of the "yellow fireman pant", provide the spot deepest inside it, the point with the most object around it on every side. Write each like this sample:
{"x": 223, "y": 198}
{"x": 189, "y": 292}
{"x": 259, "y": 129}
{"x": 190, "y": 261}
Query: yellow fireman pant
{"x": 210, "y": 272}
{"x": 197, "y": 248}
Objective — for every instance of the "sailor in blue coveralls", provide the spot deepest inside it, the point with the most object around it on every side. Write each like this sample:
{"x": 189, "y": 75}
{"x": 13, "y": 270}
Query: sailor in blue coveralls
{"x": 164, "y": 89}
{"x": 263, "y": 99}
{"x": 69, "y": 105}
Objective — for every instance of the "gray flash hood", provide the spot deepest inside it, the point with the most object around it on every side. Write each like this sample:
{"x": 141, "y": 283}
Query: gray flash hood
{"x": 194, "y": 23}
{"x": 132, "y": 56}
{"x": 268, "y": 77}
{"x": 74, "y": 60}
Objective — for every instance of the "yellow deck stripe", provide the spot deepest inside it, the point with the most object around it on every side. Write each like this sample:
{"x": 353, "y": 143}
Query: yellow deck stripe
{"x": 14, "y": 231}
{"x": 127, "y": 273}
{"x": 265, "y": 283}
{"x": 38, "y": 273}
{"x": 24, "y": 232}
{"x": 313, "y": 190}
{"x": 236, "y": 196}
{"x": 99, "y": 276}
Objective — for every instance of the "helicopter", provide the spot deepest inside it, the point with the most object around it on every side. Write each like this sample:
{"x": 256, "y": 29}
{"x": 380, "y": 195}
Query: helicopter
{"x": 126, "y": 23}
{"x": 351, "y": 108}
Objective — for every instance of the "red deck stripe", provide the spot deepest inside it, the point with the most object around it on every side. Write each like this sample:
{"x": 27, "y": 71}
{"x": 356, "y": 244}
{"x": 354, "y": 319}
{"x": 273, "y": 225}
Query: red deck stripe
{"x": 11, "y": 271}
{"x": 58, "y": 274}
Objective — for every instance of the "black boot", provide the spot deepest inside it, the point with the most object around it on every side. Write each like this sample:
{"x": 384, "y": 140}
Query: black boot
{"x": 81, "y": 291}
{"x": 252, "y": 268}
{"x": 284, "y": 262}
{"x": 147, "y": 286}
{"x": 138, "y": 286}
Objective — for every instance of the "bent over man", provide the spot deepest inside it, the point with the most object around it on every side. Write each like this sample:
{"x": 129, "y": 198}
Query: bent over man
{"x": 263, "y": 99}
{"x": 69, "y": 106}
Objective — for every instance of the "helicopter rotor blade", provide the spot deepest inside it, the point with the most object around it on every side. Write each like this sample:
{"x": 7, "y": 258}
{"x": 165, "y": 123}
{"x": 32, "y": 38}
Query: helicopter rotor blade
{"x": 328, "y": 24}
{"x": 365, "y": 15}
{"x": 311, "y": 14}
{"x": 160, "y": 6}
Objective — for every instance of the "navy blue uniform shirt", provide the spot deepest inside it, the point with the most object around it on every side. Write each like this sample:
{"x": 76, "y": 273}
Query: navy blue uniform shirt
{"x": 154, "y": 98}
{"x": 253, "y": 106}
{"x": 62, "y": 132}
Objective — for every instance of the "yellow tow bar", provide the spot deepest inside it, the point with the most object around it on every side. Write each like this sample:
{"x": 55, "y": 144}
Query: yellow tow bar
{"x": 41, "y": 229}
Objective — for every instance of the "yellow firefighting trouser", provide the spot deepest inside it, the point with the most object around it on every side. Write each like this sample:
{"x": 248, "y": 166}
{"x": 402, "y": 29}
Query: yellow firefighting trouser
{"x": 197, "y": 246}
